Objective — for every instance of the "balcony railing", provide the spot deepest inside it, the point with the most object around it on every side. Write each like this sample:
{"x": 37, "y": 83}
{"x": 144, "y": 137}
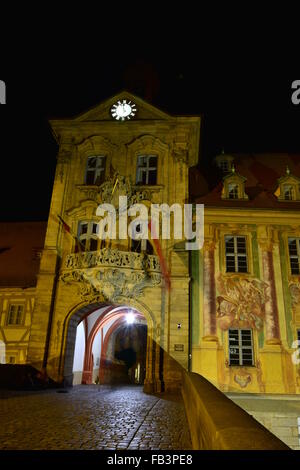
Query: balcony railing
{"x": 111, "y": 257}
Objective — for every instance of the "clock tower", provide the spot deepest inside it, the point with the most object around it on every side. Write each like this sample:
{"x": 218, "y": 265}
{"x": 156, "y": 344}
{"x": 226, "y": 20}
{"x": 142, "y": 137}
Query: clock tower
{"x": 122, "y": 147}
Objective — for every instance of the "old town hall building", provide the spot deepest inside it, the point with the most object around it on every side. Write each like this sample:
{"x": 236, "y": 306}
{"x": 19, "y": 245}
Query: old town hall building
{"x": 99, "y": 311}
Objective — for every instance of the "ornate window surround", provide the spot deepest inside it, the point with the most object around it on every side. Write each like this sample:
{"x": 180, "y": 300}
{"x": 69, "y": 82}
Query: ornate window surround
{"x": 288, "y": 180}
{"x": 88, "y": 170}
{"x": 148, "y": 145}
{"x": 236, "y": 254}
{"x": 230, "y": 231}
{"x": 237, "y": 179}
{"x": 146, "y": 168}
{"x": 92, "y": 147}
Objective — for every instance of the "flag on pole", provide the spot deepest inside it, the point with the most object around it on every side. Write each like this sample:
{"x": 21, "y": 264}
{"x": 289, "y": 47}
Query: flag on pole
{"x": 163, "y": 264}
{"x": 64, "y": 224}
{"x": 68, "y": 229}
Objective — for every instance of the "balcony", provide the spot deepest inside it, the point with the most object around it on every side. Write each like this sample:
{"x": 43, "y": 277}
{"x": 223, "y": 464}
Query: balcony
{"x": 108, "y": 257}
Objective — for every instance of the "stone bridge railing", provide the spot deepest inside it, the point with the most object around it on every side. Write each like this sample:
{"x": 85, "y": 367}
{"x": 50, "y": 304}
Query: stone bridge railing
{"x": 111, "y": 258}
{"x": 216, "y": 423}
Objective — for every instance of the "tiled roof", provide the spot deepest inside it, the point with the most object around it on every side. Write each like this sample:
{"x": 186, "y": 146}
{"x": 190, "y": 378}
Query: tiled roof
{"x": 262, "y": 172}
{"x": 20, "y": 244}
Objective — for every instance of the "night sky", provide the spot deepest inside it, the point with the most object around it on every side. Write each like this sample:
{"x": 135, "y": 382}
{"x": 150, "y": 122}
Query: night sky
{"x": 244, "y": 108}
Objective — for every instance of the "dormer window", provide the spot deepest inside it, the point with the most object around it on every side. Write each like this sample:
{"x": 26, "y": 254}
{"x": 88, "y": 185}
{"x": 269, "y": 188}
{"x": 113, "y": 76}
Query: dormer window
{"x": 288, "y": 187}
{"x": 224, "y": 162}
{"x": 95, "y": 170}
{"x": 224, "y": 165}
{"x": 234, "y": 186}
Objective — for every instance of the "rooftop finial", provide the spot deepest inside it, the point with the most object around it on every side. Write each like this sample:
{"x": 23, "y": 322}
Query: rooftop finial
{"x": 223, "y": 151}
{"x": 288, "y": 171}
{"x": 233, "y": 168}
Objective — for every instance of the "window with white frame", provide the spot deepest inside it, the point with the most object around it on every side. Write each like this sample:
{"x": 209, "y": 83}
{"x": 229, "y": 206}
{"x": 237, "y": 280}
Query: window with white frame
{"x": 88, "y": 236}
{"x": 236, "y": 254}
{"x": 95, "y": 170}
{"x": 146, "y": 172}
{"x": 240, "y": 347}
{"x": 15, "y": 314}
{"x": 294, "y": 252}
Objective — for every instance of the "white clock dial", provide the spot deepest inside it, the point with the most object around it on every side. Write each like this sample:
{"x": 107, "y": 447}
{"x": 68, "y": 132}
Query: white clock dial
{"x": 123, "y": 110}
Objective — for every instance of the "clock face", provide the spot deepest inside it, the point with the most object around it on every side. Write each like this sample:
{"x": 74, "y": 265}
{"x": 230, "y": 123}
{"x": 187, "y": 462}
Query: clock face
{"x": 123, "y": 110}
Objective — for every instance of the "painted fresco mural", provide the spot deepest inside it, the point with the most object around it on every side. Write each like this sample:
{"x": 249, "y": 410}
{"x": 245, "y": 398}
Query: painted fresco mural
{"x": 241, "y": 302}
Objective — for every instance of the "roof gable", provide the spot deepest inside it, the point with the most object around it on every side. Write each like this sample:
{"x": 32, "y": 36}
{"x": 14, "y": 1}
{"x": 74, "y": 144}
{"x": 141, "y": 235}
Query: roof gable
{"x": 101, "y": 112}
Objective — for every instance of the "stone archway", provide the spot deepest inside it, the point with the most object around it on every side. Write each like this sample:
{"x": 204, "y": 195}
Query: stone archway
{"x": 153, "y": 375}
{"x": 108, "y": 321}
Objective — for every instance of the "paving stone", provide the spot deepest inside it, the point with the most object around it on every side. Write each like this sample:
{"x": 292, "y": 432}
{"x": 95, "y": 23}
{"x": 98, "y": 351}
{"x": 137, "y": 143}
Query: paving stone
{"x": 92, "y": 417}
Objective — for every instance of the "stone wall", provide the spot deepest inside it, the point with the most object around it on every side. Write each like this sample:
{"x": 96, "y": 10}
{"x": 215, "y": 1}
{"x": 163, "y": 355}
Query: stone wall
{"x": 216, "y": 423}
{"x": 280, "y": 414}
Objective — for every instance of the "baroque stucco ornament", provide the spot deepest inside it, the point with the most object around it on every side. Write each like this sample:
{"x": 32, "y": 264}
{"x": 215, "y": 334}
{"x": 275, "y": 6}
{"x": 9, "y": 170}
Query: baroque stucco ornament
{"x": 242, "y": 379}
{"x": 110, "y": 285}
{"x": 112, "y": 257}
{"x": 113, "y": 187}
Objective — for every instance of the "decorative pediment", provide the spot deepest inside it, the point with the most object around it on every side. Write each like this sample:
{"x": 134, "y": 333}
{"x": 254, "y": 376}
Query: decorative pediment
{"x": 147, "y": 143}
{"x": 96, "y": 144}
{"x": 102, "y": 112}
{"x": 86, "y": 210}
{"x": 288, "y": 188}
{"x": 234, "y": 186}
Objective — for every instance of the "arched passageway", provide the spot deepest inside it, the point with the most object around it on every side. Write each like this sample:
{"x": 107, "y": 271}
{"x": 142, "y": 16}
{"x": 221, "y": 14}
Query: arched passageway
{"x": 111, "y": 347}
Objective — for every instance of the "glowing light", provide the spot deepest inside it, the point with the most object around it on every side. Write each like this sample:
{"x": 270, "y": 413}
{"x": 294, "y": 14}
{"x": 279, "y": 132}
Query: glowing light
{"x": 130, "y": 318}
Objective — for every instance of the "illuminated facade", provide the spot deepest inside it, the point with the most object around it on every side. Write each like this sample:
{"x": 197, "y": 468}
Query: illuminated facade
{"x": 145, "y": 156}
{"x": 246, "y": 280}
{"x": 233, "y": 311}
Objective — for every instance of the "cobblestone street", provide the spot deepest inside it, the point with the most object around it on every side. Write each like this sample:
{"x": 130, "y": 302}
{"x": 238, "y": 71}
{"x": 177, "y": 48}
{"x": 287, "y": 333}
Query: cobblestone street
{"x": 92, "y": 417}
